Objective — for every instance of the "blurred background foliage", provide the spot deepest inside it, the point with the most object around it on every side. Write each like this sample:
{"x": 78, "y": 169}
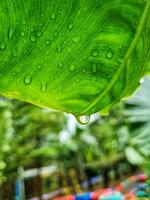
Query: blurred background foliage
{"x": 112, "y": 146}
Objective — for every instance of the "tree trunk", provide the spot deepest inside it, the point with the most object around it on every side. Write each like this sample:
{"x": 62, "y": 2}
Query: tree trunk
{"x": 7, "y": 191}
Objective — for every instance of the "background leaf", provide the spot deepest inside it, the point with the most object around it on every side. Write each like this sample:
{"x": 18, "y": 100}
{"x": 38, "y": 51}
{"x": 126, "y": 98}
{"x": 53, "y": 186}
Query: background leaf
{"x": 133, "y": 156}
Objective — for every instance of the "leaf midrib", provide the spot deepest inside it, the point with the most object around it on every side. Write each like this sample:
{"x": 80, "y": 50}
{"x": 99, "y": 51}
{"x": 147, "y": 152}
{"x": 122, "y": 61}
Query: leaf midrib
{"x": 129, "y": 51}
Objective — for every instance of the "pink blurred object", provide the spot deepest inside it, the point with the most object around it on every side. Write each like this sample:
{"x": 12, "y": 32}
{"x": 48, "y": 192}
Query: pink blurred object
{"x": 96, "y": 194}
{"x": 141, "y": 177}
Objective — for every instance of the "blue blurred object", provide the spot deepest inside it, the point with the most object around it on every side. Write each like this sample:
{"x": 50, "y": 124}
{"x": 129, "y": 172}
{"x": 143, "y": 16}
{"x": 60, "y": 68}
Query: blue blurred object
{"x": 141, "y": 186}
{"x": 85, "y": 196}
{"x": 113, "y": 196}
{"x": 18, "y": 190}
{"x": 96, "y": 179}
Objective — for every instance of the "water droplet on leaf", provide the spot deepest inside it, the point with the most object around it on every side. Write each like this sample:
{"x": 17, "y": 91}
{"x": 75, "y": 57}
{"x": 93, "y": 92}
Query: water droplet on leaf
{"x": 55, "y": 34}
{"x": 28, "y": 79}
{"x": 2, "y": 46}
{"x": 14, "y": 53}
{"x": 25, "y": 52}
{"x": 47, "y": 42}
{"x": 33, "y": 39}
{"x": 60, "y": 64}
{"x": 59, "y": 49}
{"x": 94, "y": 68}
{"x": 39, "y": 66}
{"x": 53, "y": 16}
{"x": 76, "y": 39}
{"x": 39, "y": 33}
{"x": 22, "y": 34}
{"x": 109, "y": 54}
{"x": 15, "y": 5}
{"x": 72, "y": 68}
{"x": 94, "y": 53}
{"x": 70, "y": 26}
{"x": 109, "y": 77}
{"x": 11, "y": 33}
{"x": 43, "y": 87}
{"x": 120, "y": 60}
{"x": 84, "y": 70}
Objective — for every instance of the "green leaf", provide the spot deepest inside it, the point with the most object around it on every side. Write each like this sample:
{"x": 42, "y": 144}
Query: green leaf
{"x": 76, "y": 56}
{"x": 133, "y": 156}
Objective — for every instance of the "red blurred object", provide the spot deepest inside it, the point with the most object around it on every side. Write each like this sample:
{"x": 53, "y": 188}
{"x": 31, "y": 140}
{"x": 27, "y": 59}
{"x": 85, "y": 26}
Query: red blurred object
{"x": 119, "y": 188}
{"x": 141, "y": 177}
{"x": 96, "y": 194}
{"x": 70, "y": 197}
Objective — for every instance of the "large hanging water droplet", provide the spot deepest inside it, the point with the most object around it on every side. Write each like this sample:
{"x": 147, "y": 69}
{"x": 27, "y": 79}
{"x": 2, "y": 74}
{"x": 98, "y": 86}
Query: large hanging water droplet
{"x": 72, "y": 68}
{"x": 109, "y": 55}
{"x": 28, "y": 79}
{"x": 142, "y": 80}
{"x": 2, "y": 45}
{"x": 83, "y": 119}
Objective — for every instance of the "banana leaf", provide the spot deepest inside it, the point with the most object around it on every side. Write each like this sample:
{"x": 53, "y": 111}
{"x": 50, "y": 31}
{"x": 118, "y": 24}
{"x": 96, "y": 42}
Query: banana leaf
{"x": 77, "y": 56}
